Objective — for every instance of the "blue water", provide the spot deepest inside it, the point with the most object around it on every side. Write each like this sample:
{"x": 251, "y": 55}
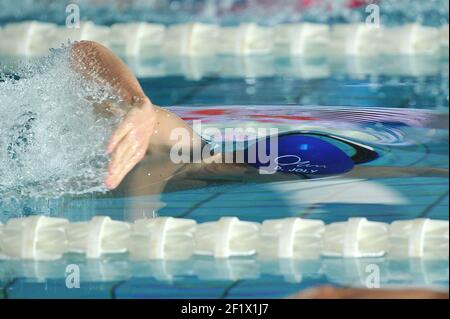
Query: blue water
{"x": 405, "y": 141}
{"x": 399, "y": 82}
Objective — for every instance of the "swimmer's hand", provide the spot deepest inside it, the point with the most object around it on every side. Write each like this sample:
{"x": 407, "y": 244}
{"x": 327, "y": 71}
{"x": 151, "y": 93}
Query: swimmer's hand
{"x": 129, "y": 142}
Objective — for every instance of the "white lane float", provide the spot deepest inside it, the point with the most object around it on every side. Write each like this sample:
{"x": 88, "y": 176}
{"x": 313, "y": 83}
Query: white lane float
{"x": 168, "y": 238}
{"x": 419, "y": 238}
{"x": 304, "y": 39}
{"x": 99, "y": 236}
{"x": 356, "y": 39}
{"x": 2, "y": 255}
{"x": 246, "y": 39}
{"x": 138, "y": 39}
{"x": 291, "y": 238}
{"x": 444, "y": 43}
{"x": 162, "y": 238}
{"x": 191, "y": 39}
{"x": 141, "y": 39}
{"x": 34, "y": 238}
{"x": 356, "y": 238}
{"x": 29, "y": 38}
{"x": 226, "y": 238}
{"x": 411, "y": 39}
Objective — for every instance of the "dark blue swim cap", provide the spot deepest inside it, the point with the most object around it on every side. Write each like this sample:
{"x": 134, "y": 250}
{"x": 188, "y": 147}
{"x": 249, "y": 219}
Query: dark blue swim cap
{"x": 299, "y": 153}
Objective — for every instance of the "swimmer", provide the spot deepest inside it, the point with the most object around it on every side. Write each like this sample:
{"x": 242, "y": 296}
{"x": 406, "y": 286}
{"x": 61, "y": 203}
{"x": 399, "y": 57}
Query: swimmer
{"x": 144, "y": 137}
{"x": 141, "y": 144}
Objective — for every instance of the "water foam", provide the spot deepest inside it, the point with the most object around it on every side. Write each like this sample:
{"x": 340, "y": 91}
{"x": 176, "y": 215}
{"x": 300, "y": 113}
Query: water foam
{"x": 52, "y": 139}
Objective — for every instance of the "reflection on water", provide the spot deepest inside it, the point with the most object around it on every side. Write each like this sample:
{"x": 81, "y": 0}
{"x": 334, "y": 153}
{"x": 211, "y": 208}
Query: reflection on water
{"x": 400, "y": 187}
{"x": 162, "y": 274}
{"x": 381, "y": 81}
{"x": 365, "y": 102}
{"x": 411, "y": 144}
{"x": 308, "y": 68}
{"x": 395, "y": 81}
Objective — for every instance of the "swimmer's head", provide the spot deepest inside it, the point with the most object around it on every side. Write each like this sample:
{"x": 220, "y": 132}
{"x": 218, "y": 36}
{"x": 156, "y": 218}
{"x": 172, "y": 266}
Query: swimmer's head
{"x": 307, "y": 154}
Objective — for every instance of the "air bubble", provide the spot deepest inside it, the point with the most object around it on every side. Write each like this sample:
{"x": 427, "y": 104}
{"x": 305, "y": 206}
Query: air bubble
{"x": 52, "y": 141}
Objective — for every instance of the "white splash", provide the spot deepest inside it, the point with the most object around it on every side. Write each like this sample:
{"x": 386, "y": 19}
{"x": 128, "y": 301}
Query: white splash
{"x": 52, "y": 139}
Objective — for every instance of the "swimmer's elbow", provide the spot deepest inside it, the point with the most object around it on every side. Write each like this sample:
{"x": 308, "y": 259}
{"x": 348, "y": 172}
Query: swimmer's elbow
{"x": 89, "y": 57}
{"x": 96, "y": 62}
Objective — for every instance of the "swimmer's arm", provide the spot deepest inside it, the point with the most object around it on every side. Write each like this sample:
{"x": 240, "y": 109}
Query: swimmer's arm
{"x": 130, "y": 140}
{"x": 98, "y": 63}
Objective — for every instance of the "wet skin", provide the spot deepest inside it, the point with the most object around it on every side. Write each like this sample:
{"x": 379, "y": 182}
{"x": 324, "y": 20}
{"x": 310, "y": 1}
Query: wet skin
{"x": 144, "y": 137}
{"x": 140, "y": 153}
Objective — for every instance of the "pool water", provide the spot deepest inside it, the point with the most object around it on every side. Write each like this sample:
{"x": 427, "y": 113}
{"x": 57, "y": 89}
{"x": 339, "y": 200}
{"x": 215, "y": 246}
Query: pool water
{"x": 402, "y": 114}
